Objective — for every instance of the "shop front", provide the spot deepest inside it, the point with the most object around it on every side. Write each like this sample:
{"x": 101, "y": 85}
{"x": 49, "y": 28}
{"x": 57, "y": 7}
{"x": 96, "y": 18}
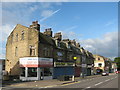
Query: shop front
{"x": 89, "y": 69}
{"x": 35, "y": 68}
{"x": 63, "y": 68}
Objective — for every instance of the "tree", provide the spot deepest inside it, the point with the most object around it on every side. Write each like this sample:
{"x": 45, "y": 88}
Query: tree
{"x": 117, "y": 60}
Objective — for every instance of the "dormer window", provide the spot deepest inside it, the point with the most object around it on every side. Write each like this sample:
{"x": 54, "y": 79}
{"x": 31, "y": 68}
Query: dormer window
{"x": 22, "y": 35}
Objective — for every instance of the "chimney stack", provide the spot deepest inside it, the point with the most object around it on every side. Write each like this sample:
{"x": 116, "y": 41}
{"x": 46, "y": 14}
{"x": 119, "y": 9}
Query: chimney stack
{"x": 58, "y": 36}
{"x": 35, "y": 25}
{"x": 73, "y": 42}
{"x": 48, "y": 32}
{"x": 78, "y": 45}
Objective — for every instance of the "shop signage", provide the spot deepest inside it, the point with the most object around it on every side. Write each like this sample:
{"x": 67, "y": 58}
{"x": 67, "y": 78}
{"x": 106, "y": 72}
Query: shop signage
{"x": 45, "y": 62}
{"x": 57, "y": 64}
{"x": 29, "y": 62}
{"x": 35, "y": 62}
{"x": 89, "y": 66}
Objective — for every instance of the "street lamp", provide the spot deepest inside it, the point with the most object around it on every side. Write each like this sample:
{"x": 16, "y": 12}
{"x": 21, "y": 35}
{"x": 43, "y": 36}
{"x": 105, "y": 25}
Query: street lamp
{"x": 73, "y": 77}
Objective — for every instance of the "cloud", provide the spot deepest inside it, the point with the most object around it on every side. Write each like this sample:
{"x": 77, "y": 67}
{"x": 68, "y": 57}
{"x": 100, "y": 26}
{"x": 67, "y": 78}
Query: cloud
{"x": 2, "y": 56}
{"x": 14, "y": 13}
{"x": 110, "y": 23}
{"x": 48, "y": 13}
{"x": 17, "y": 12}
{"x": 71, "y": 28}
{"x": 105, "y": 46}
{"x": 22, "y": 13}
{"x": 5, "y": 31}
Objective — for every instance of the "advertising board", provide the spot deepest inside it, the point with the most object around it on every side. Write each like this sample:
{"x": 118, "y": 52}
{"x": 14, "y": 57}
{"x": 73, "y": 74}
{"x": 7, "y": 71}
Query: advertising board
{"x": 35, "y": 62}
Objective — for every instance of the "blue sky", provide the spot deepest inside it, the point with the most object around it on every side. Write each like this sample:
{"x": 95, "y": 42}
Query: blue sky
{"x": 93, "y": 24}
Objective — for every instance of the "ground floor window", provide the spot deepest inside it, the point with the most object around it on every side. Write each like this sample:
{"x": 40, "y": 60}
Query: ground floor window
{"x": 47, "y": 71}
{"x": 23, "y": 71}
{"x": 32, "y": 72}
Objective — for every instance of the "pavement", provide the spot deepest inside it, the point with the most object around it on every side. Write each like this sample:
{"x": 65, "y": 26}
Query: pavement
{"x": 43, "y": 83}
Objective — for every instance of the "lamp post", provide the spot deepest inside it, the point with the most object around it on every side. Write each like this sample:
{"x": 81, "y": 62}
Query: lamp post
{"x": 73, "y": 77}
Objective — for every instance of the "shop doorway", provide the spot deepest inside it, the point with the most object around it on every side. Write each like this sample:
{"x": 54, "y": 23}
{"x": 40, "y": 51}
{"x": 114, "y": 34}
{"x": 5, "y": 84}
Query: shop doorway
{"x": 46, "y": 73}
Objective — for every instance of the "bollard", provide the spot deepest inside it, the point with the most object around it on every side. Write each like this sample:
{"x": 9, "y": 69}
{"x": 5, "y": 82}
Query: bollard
{"x": 73, "y": 78}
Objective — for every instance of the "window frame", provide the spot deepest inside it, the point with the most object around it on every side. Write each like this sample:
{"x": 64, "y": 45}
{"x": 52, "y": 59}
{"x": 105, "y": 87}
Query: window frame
{"x": 22, "y": 35}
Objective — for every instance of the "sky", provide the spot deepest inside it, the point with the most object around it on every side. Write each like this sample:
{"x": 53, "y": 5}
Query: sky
{"x": 93, "y": 24}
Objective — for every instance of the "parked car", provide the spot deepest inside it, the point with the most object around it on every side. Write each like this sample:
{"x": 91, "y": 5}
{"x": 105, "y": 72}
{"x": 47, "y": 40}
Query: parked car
{"x": 117, "y": 72}
{"x": 105, "y": 73}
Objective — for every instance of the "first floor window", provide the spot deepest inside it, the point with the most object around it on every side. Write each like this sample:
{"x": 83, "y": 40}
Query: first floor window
{"x": 22, "y": 35}
{"x": 16, "y": 50}
{"x": 100, "y": 64}
{"x": 16, "y": 37}
{"x": 46, "y": 52}
{"x": 32, "y": 51}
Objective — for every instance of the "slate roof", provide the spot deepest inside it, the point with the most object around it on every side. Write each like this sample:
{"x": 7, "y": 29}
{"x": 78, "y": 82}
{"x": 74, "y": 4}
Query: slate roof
{"x": 46, "y": 39}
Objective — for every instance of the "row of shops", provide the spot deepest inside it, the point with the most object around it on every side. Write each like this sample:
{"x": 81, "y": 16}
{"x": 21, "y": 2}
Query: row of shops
{"x": 35, "y": 68}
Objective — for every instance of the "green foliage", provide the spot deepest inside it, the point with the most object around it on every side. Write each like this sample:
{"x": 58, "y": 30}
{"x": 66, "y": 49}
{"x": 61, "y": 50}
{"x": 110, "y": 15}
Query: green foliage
{"x": 117, "y": 60}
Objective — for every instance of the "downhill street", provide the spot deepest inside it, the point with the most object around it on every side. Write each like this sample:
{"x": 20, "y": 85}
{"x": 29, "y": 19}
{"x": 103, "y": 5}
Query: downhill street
{"x": 110, "y": 81}
{"x": 105, "y": 82}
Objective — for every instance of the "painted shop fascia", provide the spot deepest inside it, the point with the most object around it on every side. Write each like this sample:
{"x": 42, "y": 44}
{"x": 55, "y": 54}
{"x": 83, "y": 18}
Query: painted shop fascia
{"x": 33, "y": 68}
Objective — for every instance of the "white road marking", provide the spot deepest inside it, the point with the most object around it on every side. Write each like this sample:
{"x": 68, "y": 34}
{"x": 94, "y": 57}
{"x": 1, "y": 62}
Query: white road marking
{"x": 107, "y": 80}
{"x": 98, "y": 83}
{"x": 88, "y": 87}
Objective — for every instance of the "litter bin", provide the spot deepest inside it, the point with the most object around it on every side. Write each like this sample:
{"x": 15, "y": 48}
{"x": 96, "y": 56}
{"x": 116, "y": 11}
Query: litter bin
{"x": 64, "y": 78}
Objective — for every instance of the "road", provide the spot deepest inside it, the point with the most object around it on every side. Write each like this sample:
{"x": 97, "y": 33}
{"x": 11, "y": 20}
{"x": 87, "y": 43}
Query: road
{"x": 110, "y": 81}
{"x": 102, "y": 82}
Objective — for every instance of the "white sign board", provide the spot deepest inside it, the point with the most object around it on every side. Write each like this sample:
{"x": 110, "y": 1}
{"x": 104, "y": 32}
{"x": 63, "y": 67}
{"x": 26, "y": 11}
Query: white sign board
{"x": 36, "y": 62}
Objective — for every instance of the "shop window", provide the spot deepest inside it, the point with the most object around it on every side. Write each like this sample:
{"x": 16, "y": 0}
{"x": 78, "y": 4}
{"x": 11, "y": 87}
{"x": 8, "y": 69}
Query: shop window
{"x": 22, "y": 35}
{"x": 16, "y": 37}
{"x": 23, "y": 71}
{"x": 32, "y": 72}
